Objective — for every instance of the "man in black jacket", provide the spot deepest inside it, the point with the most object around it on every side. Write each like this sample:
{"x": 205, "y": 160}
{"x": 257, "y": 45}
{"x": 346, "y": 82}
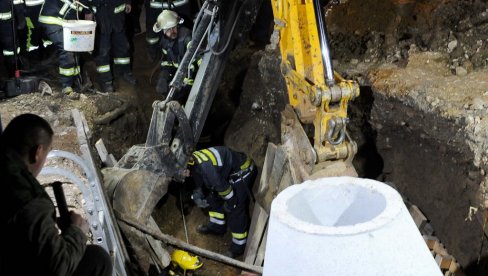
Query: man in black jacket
{"x": 228, "y": 176}
{"x": 28, "y": 219}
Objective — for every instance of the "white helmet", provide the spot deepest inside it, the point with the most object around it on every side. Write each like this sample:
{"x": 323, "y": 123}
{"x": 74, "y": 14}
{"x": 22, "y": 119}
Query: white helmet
{"x": 166, "y": 20}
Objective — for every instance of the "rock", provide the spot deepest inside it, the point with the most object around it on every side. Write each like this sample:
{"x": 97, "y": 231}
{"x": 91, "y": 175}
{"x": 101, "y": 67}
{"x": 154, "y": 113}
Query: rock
{"x": 460, "y": 71}
{"x": 451, "y": 46}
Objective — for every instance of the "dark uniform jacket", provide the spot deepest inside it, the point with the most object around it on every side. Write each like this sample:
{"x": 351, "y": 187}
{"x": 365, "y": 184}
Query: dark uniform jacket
{"x": 32, "y": 244}
{"x": 110, "y": 14}
{"x": 215, "y": 166}
{"x": 173, "y": 51}
{"x": 54, "y": 11}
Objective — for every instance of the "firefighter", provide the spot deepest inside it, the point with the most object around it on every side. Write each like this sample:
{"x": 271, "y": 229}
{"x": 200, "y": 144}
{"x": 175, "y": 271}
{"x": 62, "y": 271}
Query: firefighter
{"x": 34, "y": 42}
{"x": 153, "y": 8}
{"x": 51, "y": 17}
{"x": 175, "y": 41}
{"x": 111, "y": 37}
{"x": 7, "y": 35}
{"x": 227, "y": 176}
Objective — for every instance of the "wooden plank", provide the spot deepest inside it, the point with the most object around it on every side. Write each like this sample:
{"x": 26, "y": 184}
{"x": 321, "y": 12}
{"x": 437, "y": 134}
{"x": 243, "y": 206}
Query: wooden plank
{"x": 286, "y": 180}
{"x": 443, "y": 261}
{"x": 440, "y": 249}
{"x": 430, "y": 241}
{"x": 267, "y": 194}
{"x": 266, "y": 170}
{"x": 256, "y": 230}
{"x": 418, "y": 217}
{"x": 262, "y": 249}
{"x": 454, "y": 267}
{"x": 107, "y": 159}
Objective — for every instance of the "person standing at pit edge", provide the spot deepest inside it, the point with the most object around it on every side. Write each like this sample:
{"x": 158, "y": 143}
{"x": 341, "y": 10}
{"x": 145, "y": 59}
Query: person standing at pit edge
{"x": 112, "y": 41}
{"x": 53, "y": 13}
{"x": 33, "y": 245}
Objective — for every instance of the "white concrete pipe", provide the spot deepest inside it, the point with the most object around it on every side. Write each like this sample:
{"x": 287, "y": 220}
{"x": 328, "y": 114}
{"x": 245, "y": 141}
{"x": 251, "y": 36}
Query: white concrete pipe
{"x": 344, "y": 226}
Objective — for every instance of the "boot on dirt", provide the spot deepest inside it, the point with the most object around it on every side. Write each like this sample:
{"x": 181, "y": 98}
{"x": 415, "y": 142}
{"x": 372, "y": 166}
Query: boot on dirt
{"x": 70, "y": 94}
{"x": 234, "y": 252}
{"x": 209, "y": 230}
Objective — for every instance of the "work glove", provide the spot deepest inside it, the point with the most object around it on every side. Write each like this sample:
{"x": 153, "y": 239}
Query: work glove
{"x": 162, "y": 86}
{"x": 199, "y": 198}
{"x": 230, "y": 204}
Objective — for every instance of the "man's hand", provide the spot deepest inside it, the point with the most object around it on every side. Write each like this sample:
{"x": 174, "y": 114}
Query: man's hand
{"x": 79, "y": 221}
{"x": 89, "y": 16}
{"x": 128, "y": 8}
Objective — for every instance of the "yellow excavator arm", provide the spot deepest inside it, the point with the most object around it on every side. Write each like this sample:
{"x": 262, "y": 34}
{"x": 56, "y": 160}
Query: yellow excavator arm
{"x": 318, "y": 94}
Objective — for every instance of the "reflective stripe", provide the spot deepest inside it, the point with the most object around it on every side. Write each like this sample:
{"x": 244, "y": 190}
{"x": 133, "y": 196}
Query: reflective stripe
{"x": 31, "y": 3}
{"x": 69, "y": 71}
{"x": 125, "y": 60}
{"x": 216, "y": 215}
{"x": 239, "y": 236}
{"x": 239, "y": 242}
{"x": 210, "y": 155}
{"x": 152, "y": 40}
{"x": 8, "y": 53}
{"x": 227, "y": 194}
{"x": 5, "y": 16}
{"x": 197, "y": 158}
{"x": 246, "y": 164}
{"x": 165, "y": 52}
{"x": 63, "y": 10}
{"x": 50, "y": 20}
{"x": 217, "y": 155}
{"x": 32, "y": 48}
{"x": 159, "y": 5}
{"x": 188, "y": 81}
{"x": 199, "y": 62}
{"x": 202, "y": 156}
{"x": 46, "y": 43}
{"x": 167, "y": 64}
{"x": 103, "y": 69}
{"x": 156, "y": 5}
{"x": 94, "y": 9}
{"x": 188, "y": 44}
{"x": 17, "y": 2}
{"x": 216, "y": 221}
{"x": 119, "y": 8}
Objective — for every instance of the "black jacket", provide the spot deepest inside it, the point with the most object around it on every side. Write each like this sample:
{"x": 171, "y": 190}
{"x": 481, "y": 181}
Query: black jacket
{"x": 32, "y": 244}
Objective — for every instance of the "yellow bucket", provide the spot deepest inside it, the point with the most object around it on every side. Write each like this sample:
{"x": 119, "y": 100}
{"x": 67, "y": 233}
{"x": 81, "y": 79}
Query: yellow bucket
{"x": 79, "y": 35}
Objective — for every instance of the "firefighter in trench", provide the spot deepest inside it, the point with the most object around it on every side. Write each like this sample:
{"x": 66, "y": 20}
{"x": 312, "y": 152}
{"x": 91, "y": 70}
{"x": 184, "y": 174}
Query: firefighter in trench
{"x": 223, "y": 179}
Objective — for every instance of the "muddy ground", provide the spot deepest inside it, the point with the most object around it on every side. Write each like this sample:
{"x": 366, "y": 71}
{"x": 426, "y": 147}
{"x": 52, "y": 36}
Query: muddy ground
{"x": 419, "y": 122}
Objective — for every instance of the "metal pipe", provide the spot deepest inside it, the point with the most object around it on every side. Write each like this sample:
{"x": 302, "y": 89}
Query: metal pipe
{"x": 324, "y": 44}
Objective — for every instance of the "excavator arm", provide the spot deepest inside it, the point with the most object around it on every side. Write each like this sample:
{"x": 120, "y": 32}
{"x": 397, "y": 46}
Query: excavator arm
{"x": 318, "y": 95}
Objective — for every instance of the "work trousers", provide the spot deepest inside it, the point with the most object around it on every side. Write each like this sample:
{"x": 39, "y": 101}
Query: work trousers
{"x": 96, "y": 261}
{"x": 68, "y": 67}
{"x": 236, "y": 218}
{"x": 118, "y": 43}
{"x": 7, "y": 45}
{"x": 34, "y": 42}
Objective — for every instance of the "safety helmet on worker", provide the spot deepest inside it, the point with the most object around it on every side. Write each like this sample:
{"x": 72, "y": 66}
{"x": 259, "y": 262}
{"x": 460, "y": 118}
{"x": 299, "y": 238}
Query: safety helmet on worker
{"x": 185, "y": 260}
{"x": 166, "y": 20}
